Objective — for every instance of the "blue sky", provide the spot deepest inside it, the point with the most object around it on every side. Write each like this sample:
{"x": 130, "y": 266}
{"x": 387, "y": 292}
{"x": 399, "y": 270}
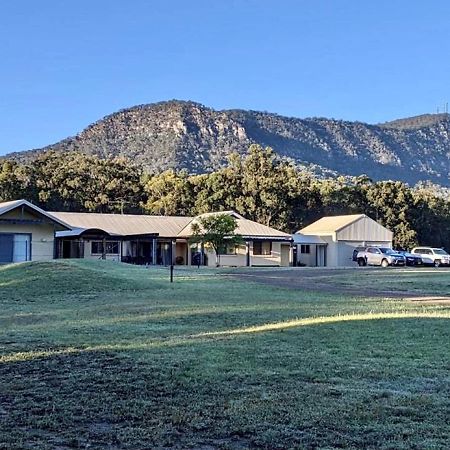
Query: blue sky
{"x": 66, "y": 64}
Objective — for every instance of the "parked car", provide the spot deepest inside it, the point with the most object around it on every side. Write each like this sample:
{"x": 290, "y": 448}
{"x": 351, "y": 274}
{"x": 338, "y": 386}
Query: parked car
{"x": 356, "y": 251}
{"x": 432, "y": 256}
{"x": 411, "y": 258}
{"x": 380, "y": 256}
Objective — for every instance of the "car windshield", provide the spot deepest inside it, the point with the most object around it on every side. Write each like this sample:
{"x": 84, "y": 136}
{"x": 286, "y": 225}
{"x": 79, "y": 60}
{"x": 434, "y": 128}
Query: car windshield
{"x": 387, "y": 251}
{"x": 439, "y": 251}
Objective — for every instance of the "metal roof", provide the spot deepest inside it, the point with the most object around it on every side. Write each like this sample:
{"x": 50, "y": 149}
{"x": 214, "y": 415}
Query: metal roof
{"x": 133, "y": 224}
{"x": 308, "y": 239}
{"x": 126, "y": 224}
{"x": 246, "y": 228}
{"x": 330, "y": 224}
{"x": 14, "y": 204}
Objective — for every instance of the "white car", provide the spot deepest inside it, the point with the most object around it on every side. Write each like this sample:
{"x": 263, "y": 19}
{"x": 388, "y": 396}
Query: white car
{"x": 435, "y": 256}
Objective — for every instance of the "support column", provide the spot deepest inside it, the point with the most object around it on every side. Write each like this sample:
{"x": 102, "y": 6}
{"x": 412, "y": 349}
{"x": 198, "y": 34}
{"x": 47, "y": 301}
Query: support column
{"x": 188, "y": 254}
{"x": 247, "y": 253}
{"x": 202, "y": 254}
{"x": 103, "y": 249}
{"x": 154, "y": 251}
{"x": 291, "y": 255}
{"x": 173, "y": 252}
{"x": 81, "y": 244}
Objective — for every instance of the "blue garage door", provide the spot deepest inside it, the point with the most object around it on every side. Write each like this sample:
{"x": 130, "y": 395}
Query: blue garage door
{"x": 15, "y": 247}
{"x": 6, "y": 248}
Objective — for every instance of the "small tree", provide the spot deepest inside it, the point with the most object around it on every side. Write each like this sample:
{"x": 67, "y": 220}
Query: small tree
{"x": 217, "y": 231}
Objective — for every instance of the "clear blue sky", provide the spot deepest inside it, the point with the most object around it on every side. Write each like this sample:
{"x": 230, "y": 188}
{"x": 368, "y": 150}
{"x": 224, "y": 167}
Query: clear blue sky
{"x": 65, "y": 64}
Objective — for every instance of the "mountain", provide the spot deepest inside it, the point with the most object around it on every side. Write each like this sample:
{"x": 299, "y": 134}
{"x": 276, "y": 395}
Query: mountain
{"x": 179, "y": 134}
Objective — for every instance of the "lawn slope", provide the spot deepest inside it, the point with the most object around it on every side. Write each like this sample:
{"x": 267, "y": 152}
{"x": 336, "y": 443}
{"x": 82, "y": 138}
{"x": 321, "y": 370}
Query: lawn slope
{"x": 108, "y": 356}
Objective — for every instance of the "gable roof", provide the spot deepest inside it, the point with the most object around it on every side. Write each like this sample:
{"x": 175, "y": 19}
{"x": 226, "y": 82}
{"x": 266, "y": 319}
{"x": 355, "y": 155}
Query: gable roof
{"x": 246, "y": 228}
{"x": 126, "y": 224}
{"x": 331, "y": 224}
{"x": 6, "y": 207}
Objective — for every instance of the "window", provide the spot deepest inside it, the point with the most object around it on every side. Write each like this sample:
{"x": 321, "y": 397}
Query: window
{"x": 228, "y": 249}
{"x": 305, "y": 249}
{"x": 112, "y": 248}
{"x": 262, "y": 248}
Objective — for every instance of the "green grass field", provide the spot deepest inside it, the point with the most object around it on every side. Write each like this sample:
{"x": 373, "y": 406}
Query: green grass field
{"x": 107, "y": 356}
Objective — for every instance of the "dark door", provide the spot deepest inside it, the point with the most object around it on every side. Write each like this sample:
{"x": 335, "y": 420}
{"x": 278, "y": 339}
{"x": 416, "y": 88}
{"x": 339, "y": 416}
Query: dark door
{"x": 6, "y": 248}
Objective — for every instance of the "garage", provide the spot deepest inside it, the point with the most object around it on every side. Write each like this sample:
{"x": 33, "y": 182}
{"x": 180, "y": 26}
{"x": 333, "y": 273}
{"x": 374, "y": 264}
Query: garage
{"x": 342, "y": 234}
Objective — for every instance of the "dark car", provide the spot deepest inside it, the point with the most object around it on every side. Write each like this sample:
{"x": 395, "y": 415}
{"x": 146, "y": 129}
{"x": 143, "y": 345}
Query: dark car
{"x": 411, "y": 258}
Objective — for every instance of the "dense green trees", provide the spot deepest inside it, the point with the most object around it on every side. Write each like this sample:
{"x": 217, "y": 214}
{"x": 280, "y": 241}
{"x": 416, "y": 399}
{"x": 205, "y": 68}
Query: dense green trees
{"x": 258, "y": 185}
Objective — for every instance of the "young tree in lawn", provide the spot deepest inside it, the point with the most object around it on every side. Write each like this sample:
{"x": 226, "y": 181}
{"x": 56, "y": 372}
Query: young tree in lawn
{"x": 217, "y": 231}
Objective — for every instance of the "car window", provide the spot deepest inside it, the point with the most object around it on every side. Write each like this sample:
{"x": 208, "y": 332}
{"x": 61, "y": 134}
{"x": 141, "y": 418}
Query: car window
{"x": 440, "y": 251}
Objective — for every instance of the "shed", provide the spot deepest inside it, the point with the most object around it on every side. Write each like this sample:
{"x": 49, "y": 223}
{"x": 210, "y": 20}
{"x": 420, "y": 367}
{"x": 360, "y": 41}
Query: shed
{"x": 343, "y": 234}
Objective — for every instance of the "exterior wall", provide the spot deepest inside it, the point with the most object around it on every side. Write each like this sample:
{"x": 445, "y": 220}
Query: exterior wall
{"x": 364, "y": 229}
{"x": 42, "y": 238}
{"x": 345, "y": 250}
{"x": 267, "y": 260}
{"x": 88, "y": 254}
{"x": 332, "y": 251}
{"x": 280, "y": 256}
{"x": 307, "y": 259}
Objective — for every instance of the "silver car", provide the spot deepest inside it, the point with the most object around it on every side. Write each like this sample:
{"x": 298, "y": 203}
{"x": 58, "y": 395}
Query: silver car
{"x": 380, "y": 256}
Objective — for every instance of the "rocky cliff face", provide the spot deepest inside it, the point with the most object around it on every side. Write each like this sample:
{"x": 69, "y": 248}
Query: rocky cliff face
{"x": 178, "y": 134}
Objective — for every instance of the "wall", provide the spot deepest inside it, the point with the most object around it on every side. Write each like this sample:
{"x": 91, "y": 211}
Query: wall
{"x": 240, "y": 259}
{"x": 307, "y": 259}
{"x": 42, "y": 235}
{"x": 364, "y": 229}
{"x": 109, "y": 257}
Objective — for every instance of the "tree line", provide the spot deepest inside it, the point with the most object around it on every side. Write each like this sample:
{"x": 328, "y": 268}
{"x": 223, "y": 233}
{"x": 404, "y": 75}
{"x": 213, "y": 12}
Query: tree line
{"x": 257, "y": 185}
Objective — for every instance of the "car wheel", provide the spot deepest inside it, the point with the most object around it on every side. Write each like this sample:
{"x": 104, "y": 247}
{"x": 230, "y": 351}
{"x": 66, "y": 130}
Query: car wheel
{"x": 361, "y": 262}
{"x": 437, "y": 263}
{"x": 384, "y": 263}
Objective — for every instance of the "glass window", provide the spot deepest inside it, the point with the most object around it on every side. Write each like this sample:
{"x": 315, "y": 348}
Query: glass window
{"x": 228, "y": 249}
{"x": 305, "y": 249}
{"x": 263, "y": 248}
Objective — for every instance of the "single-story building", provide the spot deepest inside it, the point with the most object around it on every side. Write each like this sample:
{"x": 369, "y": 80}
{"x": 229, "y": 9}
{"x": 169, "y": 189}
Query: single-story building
{"x": 27, "y": 232}
{"x": 30, "y": 233}
{"x": 330, "y": 241}
{"x": 144, "y": 239}
{"x": 262, "y": 245}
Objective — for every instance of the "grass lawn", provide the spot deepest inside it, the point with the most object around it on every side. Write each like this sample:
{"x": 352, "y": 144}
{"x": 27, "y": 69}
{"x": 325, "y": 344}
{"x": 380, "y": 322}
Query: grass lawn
{"x": 103, "y": 356}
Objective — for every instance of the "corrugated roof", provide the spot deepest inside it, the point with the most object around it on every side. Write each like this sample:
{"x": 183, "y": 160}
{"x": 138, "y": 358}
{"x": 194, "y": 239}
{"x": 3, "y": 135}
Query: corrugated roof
{"x": 126, "y": 224}
{"x": 308, "y": 239}
{"x": 11, "y": 205}
{"x": 245, "y": 227}
{"x": 330, "y": 224}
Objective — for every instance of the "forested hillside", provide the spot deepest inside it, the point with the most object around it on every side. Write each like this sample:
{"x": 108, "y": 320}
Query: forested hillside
{"x": 257, "y": 185}
{"x": 186, "y": 135}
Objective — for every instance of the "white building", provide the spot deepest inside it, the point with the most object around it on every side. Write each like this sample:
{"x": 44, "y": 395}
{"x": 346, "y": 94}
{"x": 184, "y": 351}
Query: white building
{"x": 330, "y": 241}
